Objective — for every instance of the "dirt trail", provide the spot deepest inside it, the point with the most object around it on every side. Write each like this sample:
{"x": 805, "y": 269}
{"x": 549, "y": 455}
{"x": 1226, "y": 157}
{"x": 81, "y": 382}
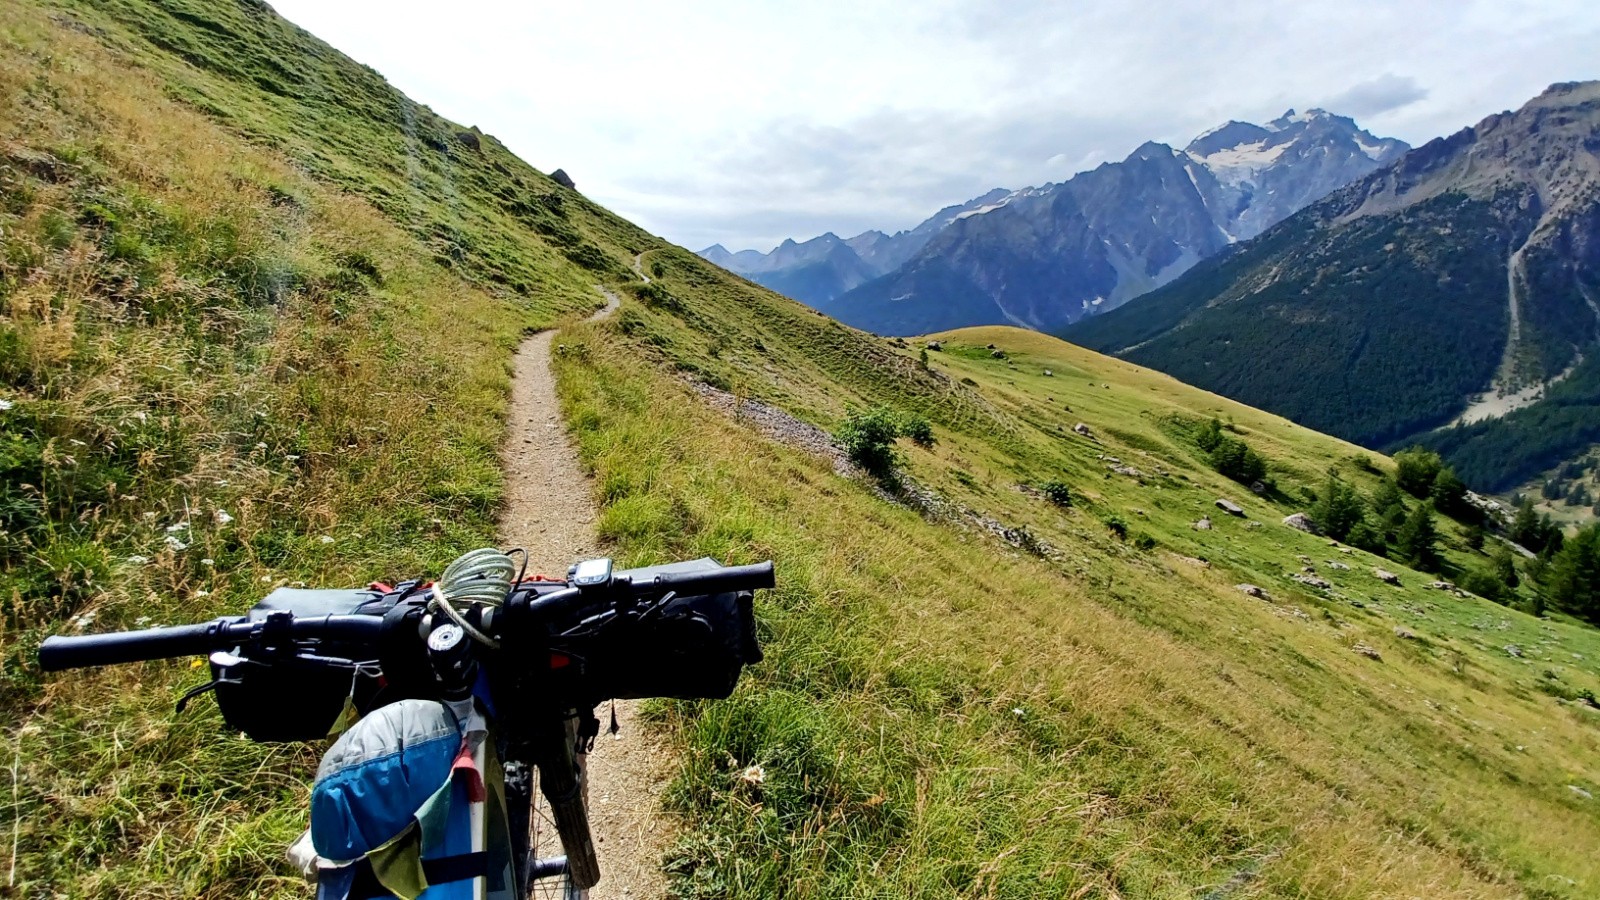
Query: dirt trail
{"x": 550, "y": 510}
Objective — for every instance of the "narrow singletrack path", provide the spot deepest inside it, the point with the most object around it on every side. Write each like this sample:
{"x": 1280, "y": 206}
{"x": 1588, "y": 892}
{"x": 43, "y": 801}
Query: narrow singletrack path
{"x": 550, "y": 511}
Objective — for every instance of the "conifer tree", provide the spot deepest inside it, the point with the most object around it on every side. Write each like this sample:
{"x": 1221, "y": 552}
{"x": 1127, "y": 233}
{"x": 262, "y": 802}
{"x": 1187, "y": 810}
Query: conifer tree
{"x": 1417, "y": 538}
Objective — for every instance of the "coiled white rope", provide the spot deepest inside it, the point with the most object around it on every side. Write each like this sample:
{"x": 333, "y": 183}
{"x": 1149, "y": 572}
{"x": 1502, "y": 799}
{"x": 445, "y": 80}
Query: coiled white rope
{"x": 480, "y": 577}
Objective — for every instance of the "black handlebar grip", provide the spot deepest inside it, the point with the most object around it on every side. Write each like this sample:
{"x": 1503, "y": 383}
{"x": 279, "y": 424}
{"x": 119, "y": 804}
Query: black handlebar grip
{"x": 718, "y": 581}
{"x": 81, "y": 651}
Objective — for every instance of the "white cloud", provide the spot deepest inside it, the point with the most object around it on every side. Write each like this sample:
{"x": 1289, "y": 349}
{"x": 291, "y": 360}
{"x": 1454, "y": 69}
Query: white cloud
{"x": 746, "y": 122}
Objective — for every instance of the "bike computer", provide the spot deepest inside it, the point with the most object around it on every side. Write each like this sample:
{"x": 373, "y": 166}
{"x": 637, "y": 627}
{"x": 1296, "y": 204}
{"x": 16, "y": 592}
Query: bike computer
{"x": 591, "y": 573}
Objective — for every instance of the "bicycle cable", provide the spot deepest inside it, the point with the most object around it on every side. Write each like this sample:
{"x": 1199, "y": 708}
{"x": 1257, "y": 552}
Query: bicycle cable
{"x": 479, "y": 577}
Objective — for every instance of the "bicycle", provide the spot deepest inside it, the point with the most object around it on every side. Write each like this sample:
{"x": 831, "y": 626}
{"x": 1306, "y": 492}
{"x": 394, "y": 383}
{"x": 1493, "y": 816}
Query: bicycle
{"x": 526, "y": 659}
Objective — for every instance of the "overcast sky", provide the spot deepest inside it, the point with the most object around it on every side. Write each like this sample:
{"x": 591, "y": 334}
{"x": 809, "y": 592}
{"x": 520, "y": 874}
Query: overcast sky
{"x": 743, "y": 122}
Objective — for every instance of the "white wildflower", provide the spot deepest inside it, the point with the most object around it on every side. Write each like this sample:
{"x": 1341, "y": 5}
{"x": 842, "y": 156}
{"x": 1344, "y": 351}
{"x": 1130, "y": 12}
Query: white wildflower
{"x": 208, "y": 562}
{"x": 202, "y": 593}
{"x": 180, "y": 526}
{"x": 754, "y": 776}
{"x": 266, "y": 579}
{"x": 138, "y": 560}
{"x": 83, "y": 621}
{"x": 1017, "y": 711}
{"x": 5, "y": 405}
{"x": 325, "y": 539}
{"x": 176, "y": 544}
{"x": 221, "y": 517}
{"x": 261, "y": 445}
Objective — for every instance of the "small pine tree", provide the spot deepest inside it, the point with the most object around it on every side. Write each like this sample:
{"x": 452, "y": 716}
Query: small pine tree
{"x": 1474, "y": 537}
{"x": 1418, "y": 537}
{"x": 1505, "y": 567}
{"x": 1575, "y": 575}
{"x": 1525, "y": 528}
{"x": 1210, "y": 435}
{"x": 1387, "y": 497}
{"x": 1339, "y": 510}
{"x": 1449, "y": 494}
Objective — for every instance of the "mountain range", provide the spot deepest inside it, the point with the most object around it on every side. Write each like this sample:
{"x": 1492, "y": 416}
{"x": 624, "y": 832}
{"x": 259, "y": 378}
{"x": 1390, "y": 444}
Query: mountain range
{"x": 826, "y": 266}
{"x": 1043, "y": 257}
{"x": 1449, "y": 298}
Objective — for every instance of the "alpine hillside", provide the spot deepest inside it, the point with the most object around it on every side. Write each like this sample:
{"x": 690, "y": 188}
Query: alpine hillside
{"x": 1048, "y": 256}
{"x": 1071, "y": 635}
{"x": 816, "y": 271}
{"x": 1450, "y": 298}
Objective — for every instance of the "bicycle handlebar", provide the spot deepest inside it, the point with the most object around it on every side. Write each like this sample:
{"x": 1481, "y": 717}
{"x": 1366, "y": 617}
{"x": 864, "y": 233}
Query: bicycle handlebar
{"x": 81, "y": 651}
{"x": 727, "y": 580}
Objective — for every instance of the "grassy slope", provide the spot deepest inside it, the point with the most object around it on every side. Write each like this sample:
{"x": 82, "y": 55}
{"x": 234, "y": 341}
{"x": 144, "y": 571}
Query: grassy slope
{"x": 1173, "y": 735}
{"x": 225, "y": 330}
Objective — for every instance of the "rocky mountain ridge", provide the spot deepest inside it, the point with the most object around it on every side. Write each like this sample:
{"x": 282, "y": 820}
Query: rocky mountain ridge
{"x": 1144, "y": 221}
{"x": 1045, "y": 257}
{"x": 1452, "y": 297}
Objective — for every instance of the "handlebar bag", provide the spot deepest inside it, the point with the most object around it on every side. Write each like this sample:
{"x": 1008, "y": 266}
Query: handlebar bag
{"x": 692, "y": 648}
{"x": 283, "y": 698}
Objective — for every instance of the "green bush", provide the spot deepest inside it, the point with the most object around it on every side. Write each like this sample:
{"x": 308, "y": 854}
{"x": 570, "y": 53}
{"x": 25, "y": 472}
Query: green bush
{"x": 1209, "y": 435}
{"x": 1057, "y": 492}
{"x": 1144, "y": 542}
{"x": 1237, "y": 461}
{"x": 1484, "y": 585}
{"x": 1416, "y": 469}
{"x": 918, "y": 429}
{"x": 1116, "y": 525}
{"x": 867, "y": 437}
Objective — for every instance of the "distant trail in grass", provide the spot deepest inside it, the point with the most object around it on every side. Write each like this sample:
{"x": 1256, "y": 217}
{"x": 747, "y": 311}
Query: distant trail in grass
{"x": 550, "y": 511}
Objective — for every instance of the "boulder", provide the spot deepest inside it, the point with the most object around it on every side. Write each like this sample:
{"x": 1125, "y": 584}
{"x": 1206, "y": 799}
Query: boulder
{"x": 1404, "y": 633}
{"x": 1312, "y": 581}
{"x": 1230, "y": 507}
{"x": 1083, "y": 429}
{"x": 1301, "y": 522}
{"x": 935, "y": 346}
{"x": 1387, "y": 577}
{"x": 1258, "y": 488}
{"x": 1203, "y": 525}
{"x": 1049, "y": 374}
{"x": 469, "y": 140}
{"x": 1254, "y": 591}
{"x": 1368, "y": 651}
{"x": 561, "y": 177}
{"x": 998, "y": 354}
